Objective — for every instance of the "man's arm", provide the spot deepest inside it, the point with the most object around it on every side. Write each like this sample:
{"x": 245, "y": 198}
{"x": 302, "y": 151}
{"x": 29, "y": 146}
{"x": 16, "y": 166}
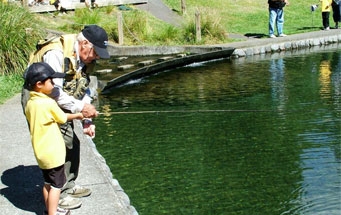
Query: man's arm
{"x": 55, "y": 59}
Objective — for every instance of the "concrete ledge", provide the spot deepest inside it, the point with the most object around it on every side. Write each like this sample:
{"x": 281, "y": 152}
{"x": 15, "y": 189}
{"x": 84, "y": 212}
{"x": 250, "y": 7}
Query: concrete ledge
{"x": 242, "y": 49}
{"x": 287, "y": 46}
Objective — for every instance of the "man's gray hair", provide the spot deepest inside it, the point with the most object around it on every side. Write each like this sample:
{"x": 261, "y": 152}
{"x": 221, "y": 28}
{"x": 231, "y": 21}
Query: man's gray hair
{"x": 80, "y": 37}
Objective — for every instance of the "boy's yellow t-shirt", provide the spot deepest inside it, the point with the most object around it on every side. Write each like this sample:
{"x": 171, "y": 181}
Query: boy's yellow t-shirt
{"x": 44, "y": 117}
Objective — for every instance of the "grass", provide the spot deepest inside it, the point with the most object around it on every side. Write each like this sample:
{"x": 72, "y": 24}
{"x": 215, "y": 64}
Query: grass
{"x": 9, "y": 86}
{"x": 251, "y": 17}
{"x": 18, "y": 37}
{"x": 219, "y": 20}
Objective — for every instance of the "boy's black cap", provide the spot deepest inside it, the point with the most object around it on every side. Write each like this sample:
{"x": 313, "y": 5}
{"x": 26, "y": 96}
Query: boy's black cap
{"x": 39, "y": 72}
{"x": 99, "y": 38}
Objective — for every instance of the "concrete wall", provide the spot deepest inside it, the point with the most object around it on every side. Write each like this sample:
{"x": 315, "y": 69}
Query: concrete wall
{"x": 242, "y": 49}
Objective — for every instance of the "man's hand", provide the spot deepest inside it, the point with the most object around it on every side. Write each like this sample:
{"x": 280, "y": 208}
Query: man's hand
{"x": 89, "y": 111}
{"x": 89, "y": 128}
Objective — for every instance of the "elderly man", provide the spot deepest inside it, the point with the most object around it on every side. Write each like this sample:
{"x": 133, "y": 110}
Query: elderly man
{"x": 74, "y": 55}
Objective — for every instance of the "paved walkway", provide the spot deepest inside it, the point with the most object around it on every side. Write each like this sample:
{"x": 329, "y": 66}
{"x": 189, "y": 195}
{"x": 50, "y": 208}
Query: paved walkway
{"x": 21, "y": 180}
{"x": 161, "y": 11}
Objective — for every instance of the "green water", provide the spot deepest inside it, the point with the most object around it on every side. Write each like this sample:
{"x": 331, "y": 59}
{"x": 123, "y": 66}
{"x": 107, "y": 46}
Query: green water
{"x": 248, "y": 136}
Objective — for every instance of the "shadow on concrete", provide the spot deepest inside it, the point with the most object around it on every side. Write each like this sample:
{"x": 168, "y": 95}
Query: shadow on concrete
{"x": 24, "y": 188}
{"x": 310, "y": 28}
{"x": 255, "y": 35}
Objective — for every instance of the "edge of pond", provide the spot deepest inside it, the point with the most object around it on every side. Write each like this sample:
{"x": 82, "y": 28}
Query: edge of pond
{"x": 242, "y": 49}
{"x": 252, "y": 46}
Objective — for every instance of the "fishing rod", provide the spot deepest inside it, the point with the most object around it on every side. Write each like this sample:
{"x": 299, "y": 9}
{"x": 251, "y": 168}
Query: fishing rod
{"x": 177, "y": 111}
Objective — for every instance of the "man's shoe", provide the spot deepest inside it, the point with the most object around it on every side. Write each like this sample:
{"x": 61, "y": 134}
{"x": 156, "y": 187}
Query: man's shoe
{"x": 69, "y": 203}
{"x": 78, "y": 192}
{"x": 272, "y": 36}
{"x": 61, "y": 211}
{"x": 282, "y": 35}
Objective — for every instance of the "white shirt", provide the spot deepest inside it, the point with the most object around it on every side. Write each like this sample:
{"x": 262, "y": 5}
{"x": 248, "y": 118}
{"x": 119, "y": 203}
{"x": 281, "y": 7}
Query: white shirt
{"x": 55, "y": 59}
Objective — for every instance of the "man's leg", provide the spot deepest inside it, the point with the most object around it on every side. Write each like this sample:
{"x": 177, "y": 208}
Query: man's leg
{"x": 72, "y": 155}
{"x": 272, "y": 19}
{"x": 72, "y": 164}
{"x": 71, "y": 192}
{"x": 280, "y": 21}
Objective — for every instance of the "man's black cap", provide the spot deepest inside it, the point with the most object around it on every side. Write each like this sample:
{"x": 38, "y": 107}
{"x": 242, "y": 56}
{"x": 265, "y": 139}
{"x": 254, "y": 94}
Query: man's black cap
{"x": 99, "y": 38}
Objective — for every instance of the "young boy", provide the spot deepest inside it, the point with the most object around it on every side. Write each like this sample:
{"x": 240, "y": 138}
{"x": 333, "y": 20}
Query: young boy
{"x": 44, "y": 116}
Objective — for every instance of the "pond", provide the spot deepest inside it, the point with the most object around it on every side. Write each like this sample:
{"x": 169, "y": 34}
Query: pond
{"x": 256, "y": 135}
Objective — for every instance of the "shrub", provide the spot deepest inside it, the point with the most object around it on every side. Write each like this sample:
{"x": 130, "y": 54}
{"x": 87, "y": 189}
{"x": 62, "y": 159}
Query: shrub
{"x": 18, "y": 37}
{"x": 211, "y": 29}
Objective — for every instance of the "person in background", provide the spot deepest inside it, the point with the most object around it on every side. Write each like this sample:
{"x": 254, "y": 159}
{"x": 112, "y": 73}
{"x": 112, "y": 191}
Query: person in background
{"x": 276, "y": 17}
{"x": 91, "y": 4}
{"x": 326, "y": 8}
{"x": 36, "y": 3}
{"x": 58, "y": 5}
{"x": 44, "y": 116}
{"x": 76, "y": 56}
{"x": 336, "y": 5}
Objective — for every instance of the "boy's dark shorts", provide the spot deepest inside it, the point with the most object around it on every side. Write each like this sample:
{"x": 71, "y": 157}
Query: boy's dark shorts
{"x": 55, "y": 177}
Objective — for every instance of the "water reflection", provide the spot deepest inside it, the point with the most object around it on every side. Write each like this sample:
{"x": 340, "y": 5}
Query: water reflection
{"x": 325, "y": 72}
{"x": 277, "y": 151}
{"x": 277, "y": 83}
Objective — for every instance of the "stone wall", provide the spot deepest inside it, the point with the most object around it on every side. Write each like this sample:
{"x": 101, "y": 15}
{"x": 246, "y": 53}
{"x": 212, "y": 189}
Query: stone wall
{"x": 287, "y": 46}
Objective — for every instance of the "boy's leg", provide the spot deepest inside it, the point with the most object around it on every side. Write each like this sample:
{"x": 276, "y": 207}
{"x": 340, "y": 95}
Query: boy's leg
{"x": 54, "y": 181}
{"x": 53, "y": 199}
{"x": 46, "y": 190}
{"x": 325, "y": 19}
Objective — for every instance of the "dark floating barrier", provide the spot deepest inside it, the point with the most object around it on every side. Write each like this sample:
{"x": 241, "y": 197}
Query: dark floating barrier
{"x": 165, "y": 65}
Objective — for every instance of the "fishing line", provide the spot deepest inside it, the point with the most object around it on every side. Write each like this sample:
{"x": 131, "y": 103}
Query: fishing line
{"x": 178, "y": 111}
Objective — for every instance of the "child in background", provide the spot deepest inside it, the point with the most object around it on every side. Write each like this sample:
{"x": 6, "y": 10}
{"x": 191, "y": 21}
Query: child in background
{"x": 44, "y": 116}
{"x": 326, "y": 8}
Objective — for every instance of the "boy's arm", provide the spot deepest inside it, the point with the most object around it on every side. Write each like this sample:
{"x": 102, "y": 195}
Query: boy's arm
{"x": 71, "y": 116}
